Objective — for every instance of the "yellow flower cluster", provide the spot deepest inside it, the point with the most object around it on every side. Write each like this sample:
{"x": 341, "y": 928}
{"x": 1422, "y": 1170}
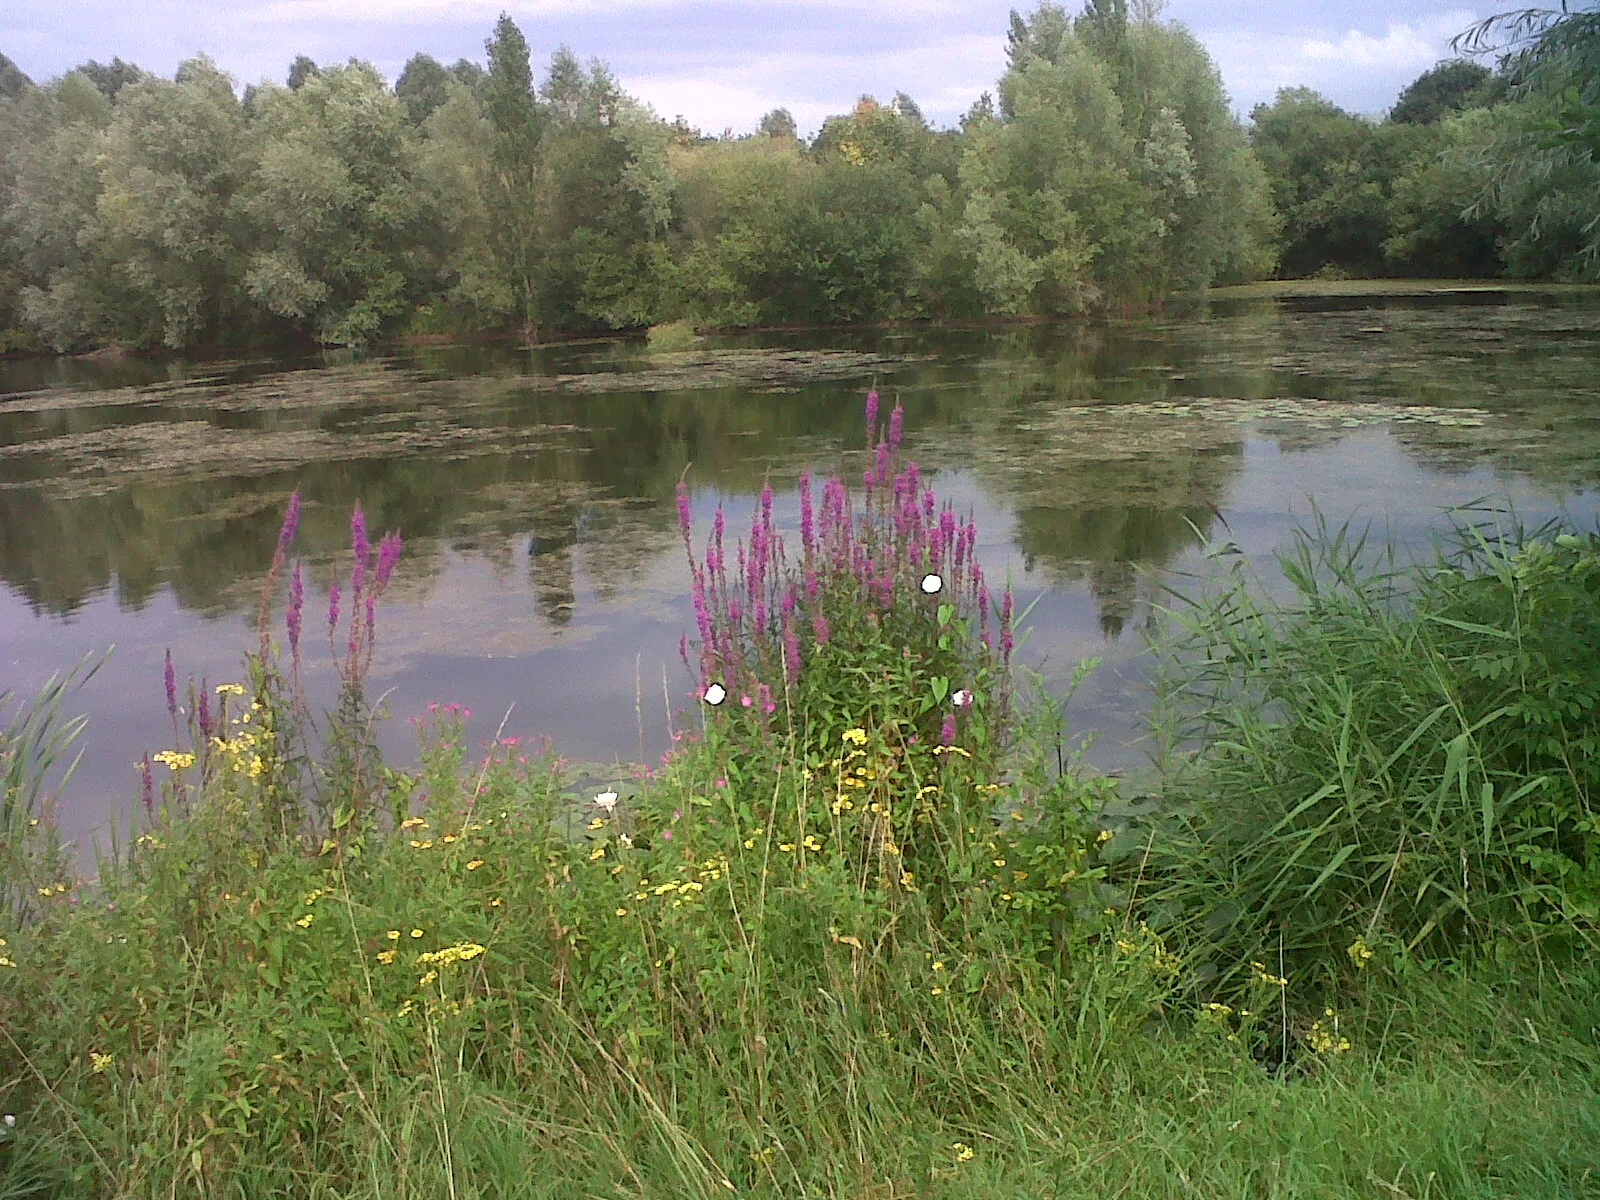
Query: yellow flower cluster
{"x": 1267, "y": 977}
{"x": 230, "y": 689}
{"x": 100, "y": 1062}
{"x": 176, "y": 760}
{"x": 5, "y": 959}
{"x": 58, "y": 889}
{"x": 1359, "y": 952}
{"x": 856, "y": 737}
{"x": 460, "y": 952}
{"x": 1324, "y": 1036}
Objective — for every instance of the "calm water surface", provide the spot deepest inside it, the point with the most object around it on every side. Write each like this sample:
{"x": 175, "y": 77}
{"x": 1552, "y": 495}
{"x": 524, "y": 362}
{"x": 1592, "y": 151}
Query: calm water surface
{"x": 543, "y": 575}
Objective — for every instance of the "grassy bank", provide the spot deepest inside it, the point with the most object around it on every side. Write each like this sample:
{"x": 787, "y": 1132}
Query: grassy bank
{"x": 858, "y": 935}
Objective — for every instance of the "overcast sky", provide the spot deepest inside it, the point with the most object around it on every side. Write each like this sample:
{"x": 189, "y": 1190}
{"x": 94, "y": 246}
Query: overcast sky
{"x": 723, "y": 64}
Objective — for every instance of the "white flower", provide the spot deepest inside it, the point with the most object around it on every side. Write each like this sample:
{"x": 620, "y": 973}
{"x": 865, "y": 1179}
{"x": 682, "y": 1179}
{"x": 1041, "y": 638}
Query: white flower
{"x": 962, "y": 698}
{"x": 716, "y": 694}
{"x": 11, "y": 1121}
{"x": 606, "y": 801}
{"x": 931, "y": 584}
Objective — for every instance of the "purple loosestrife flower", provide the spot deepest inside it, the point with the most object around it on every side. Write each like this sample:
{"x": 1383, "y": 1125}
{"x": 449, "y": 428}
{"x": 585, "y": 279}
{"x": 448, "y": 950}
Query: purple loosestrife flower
{"x": 702, "y": 612}
{"x": 683, "y": 513}
{"x": 881, "y": 468}
{"x": 333, "y": 605}
{"x": 897, "y": 424}
{"x": 872, "y": 415}
{"x": 147, "y": 787}
{"x": 764, "y": 699}
{"x": 929, "y": 502}
{"x": 388, "y": 555}
{"x": 1006, "y": 640}
{"x": 811, "y": 585}
{"x": 819, "y": 626}
{"x": 360, "y": 552}
{"x": 202, "y": 713}
{"x": 807, "y": 520}
{"x": 947, "y": 731}
{"x": 292, "y": 619}
{"x": 291, "y": 523}
{"x": 171, "y": 680}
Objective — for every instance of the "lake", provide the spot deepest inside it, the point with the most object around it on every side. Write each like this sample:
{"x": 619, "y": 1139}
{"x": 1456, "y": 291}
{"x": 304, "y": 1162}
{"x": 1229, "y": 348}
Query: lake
{"x": 543, "y": 576}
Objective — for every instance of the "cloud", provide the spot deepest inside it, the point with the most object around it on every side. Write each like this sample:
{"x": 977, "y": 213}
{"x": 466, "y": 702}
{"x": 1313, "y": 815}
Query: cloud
{"x": 1360, "y": 69}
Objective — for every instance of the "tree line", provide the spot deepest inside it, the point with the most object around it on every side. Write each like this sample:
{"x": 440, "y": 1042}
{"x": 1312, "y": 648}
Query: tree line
{"x": 1105, "y": 172}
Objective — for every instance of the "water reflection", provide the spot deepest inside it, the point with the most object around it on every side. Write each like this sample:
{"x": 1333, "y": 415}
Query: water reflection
{"x": 139, "y": 501}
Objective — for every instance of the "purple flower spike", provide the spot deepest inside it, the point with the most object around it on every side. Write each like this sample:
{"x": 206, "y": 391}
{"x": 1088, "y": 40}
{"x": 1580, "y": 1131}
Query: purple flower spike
{"x": 897, "y": 424}
{"x": 203, "y": 711}
{"x": 291, "y": 523}
{"x": 171, "y": 680}
{"x": 881, "y": 473}
{"x": 1006, "y": 640}
{"x": 333, "y": 605}
{"x": 388, "y": 555}
{"x": 807, "y": 519}
{"x": 147, "y": 787}
{"x": 297, "y": 603}
{"x": 819, "y": 626}
{"x": 683, "y": 510}
{"x": 947, "y": 732}
{"x": 872, "y": 415}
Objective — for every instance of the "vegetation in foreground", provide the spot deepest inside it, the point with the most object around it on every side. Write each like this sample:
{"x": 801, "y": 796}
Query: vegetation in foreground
{"x": 858, "y": 935}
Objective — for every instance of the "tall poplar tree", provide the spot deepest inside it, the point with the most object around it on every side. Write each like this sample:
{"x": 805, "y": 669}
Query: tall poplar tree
{"x": 517, "y": 122}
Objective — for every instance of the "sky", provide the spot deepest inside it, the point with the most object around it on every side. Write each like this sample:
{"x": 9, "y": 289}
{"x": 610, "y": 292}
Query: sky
{"x": 721, "y": 64}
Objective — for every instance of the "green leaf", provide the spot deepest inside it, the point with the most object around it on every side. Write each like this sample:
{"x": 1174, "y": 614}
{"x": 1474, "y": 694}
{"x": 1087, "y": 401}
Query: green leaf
{"x": 941, "y": 688}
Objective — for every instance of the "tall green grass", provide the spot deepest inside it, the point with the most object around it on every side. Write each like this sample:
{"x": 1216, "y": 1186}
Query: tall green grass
{"x": 1393, "y": 760}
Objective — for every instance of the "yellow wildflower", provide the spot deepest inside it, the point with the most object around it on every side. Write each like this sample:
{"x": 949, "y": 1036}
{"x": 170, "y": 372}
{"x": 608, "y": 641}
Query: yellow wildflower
{"x": 475, "y": 864}
{"x": 786, "y": 847}
{"x": 448, "y": 838}
{"x": 305, "y": 921}
{"x": 622, "y": 912}
{"x": 176, "y": 760}
{"x": 1359, "y": 952}
{"x": 393, "y": 935}
{"x": 387, "y": 957}
{"x": 413, "y": 823}
{"x": 230, "y": 689}
{"x": 811, "y": 843}
{"x": 416, "y": 933}
{"x": 597, "y": 852}
{"x": 102, "y": 1062}
{"x": 856, "y": 736}
{"x": 427, "y": 979}
{"x": 964, "y": 1152}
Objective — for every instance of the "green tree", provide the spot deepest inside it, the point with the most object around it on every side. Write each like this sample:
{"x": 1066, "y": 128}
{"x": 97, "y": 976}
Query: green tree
{"x": 422, "y": 87}
{"x": 110, "y": 78}
{"x": 1542, "y": 161}
{"x": 175, "y": 160}
{"x": 12, "y": 80}
{"x": 348, "y": 231}
{"x": 48, "y": 157}
{"x": 1449, "y": 87}
{"x": 515, "y": 195}
{"x": 301, "y": 70}
{"x": 1434, "y": 229}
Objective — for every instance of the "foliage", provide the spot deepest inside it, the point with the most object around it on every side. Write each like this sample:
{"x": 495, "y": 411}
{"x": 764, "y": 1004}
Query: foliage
{"x": 1393, "y": 760}
{"x": 1451, "y": 86}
